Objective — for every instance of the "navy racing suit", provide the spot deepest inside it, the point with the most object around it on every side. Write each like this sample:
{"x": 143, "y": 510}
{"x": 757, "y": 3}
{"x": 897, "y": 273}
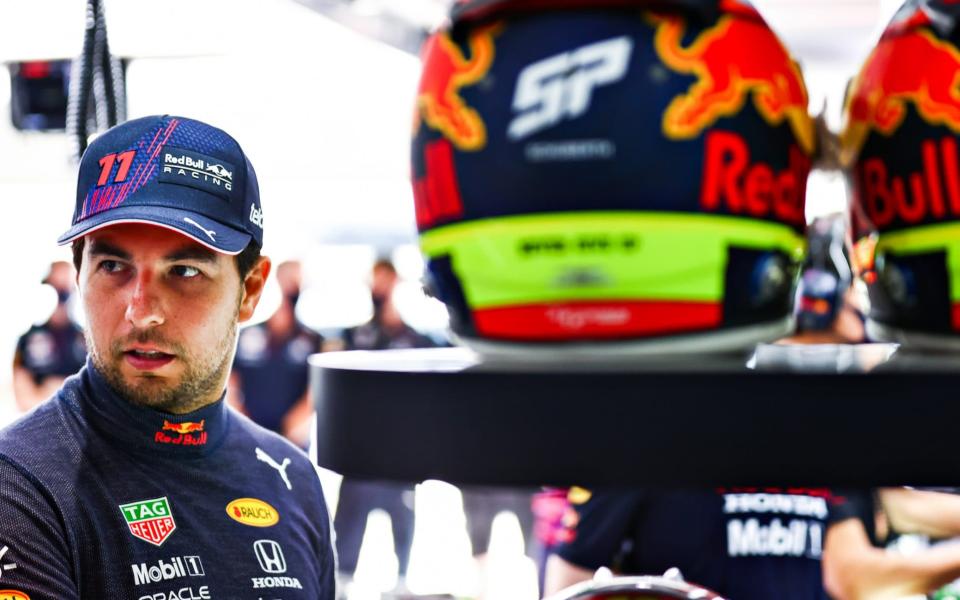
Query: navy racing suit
{"x": 103, "y": 499}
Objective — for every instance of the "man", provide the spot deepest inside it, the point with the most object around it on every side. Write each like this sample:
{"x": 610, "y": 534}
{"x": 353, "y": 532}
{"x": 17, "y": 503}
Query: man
{"x": 385, "y": 331}
{"x": 827, "y": 306}
{"x": 742, "y": 543}
{"x": 136, "y": 480}
{"x": 857, "y": 565}
{"x": 48, "y": 352}
{"x": 270, "y": 379}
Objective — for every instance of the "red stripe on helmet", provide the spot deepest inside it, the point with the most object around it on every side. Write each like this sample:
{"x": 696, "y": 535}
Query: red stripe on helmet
{"x": 436, "y": 194}
{"x": 592, "y": 320}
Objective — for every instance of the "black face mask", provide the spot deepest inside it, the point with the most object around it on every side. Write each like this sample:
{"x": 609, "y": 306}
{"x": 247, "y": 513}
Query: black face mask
{"x": 378, "y": 301}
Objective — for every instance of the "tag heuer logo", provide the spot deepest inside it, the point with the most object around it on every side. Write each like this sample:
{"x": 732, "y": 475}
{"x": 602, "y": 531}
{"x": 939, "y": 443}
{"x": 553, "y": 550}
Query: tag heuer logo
{"x": 149, "y": 520}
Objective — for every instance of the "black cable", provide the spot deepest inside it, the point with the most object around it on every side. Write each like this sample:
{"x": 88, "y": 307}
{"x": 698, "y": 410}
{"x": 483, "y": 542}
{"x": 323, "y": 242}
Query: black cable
{"x": 78, "y": 101}
{"x": 97, "y": 99}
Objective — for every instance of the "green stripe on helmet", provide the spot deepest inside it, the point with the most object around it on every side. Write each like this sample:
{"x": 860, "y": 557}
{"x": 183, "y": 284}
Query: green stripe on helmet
{"x": 631, "y": 255}
{"x": 943, "y": 237}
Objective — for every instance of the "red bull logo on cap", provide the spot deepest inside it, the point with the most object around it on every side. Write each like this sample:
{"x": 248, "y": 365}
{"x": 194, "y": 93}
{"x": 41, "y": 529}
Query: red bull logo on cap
{"x": 447, "y": 71}
{"x": 909, "y": 64}
{"x": 738, "y": 57}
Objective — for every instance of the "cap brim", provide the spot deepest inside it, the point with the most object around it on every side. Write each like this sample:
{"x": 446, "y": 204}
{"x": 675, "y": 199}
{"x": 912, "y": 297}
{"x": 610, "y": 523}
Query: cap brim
{"x": 212, "y": 234}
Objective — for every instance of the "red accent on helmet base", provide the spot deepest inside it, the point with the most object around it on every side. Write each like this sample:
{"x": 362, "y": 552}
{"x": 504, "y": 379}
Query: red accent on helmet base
{"x": 955, "y": 316}
{"x": 436, "y": 195}
{"x": 593, "y": 320}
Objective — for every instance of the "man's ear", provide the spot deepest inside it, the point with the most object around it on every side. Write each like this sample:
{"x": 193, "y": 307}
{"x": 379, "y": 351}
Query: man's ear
{"x": 253, "y": 286}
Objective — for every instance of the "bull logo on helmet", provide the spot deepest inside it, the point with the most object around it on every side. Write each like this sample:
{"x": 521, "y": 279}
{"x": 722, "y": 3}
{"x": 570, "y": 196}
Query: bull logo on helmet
{"x": 909, "y": 64}
{"x": 731, "y": 60}
{"x": 447, "y": 71}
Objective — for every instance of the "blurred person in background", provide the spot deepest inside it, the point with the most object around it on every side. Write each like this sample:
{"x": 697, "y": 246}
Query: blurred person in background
{"x": 47, "y": 353}
{"x": 744, "y": 543}
{"x": 384, "y": 331}
{"x": 827, "y": 304}
{"x": 482, "y": 504}
{"x": 550, "y": 529}
{"x": 270, "y": 378}
{"x": 894, "y": 543}
{"x": 136, "y": 477}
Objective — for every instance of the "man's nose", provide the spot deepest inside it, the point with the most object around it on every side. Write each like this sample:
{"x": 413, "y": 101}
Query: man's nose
{"x": 144, "y": 307}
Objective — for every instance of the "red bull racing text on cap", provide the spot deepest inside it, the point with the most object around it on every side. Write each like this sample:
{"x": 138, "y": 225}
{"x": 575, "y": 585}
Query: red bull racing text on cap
{"x": 172, "y": 172}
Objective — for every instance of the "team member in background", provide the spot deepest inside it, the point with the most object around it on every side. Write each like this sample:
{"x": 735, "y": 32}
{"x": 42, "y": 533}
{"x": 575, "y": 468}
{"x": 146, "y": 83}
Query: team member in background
{"x": 270, "y": 378}
{"x": 748, "y": 544}
{"x": 481, "y": 504}
{"x": 550, "y": 509}
{"x": 385, "y": 331}
{"x": 136, "y": 480}
{"x": 827, "y": 303}
{"x": 48, "y": 353}
{"x": 894, "y": 543}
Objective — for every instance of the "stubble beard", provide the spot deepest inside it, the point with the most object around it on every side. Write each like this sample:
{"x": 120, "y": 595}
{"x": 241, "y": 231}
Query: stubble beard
{"x": 201, "y": 382}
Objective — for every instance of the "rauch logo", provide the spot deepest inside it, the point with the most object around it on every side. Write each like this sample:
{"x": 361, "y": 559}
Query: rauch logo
{"x": 253, "y": 512}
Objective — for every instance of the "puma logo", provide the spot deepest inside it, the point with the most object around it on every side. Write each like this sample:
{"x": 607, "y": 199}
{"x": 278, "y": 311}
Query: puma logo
{"x": 210, "y": 233}
{"x": 281, "y": 468}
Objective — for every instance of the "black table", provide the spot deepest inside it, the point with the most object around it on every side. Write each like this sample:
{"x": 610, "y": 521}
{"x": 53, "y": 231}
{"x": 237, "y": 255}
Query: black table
{"x": 786, "y": 415}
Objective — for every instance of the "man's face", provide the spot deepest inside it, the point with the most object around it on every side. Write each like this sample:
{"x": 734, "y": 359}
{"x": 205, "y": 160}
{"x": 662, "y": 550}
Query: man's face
{"x": 60, "y": 277}
{"x": 289, "y": 276}
{"x": 382, "y": 283}
{"x": 162, "y": 314}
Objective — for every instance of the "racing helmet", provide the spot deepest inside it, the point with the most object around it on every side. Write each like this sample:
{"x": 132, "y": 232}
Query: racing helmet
{"x": 670, "y": 586}
{"x": 611, "y": 176}
{"x": 900, "y": 147}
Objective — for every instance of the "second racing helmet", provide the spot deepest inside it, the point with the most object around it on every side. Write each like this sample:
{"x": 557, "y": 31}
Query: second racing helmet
{"x": 624, "y": 172}
{"x": 900, "y": 144}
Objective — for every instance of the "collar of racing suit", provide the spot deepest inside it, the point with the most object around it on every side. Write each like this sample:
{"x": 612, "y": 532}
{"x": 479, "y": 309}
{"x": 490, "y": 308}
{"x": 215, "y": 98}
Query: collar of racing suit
{"x": 142, "y": 429}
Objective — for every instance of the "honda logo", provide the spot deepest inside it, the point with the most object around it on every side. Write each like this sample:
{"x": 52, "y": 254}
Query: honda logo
{"x": 270, "y": 556}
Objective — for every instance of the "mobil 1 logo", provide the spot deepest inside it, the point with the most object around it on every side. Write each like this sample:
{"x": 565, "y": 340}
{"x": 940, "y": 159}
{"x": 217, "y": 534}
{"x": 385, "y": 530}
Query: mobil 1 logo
{"x": 165, "y": 570}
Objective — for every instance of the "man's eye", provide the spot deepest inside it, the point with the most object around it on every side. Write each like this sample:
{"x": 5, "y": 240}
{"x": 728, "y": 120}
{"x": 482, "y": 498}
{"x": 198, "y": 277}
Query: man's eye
{"x": 186, "y": 271}
{"x": 111, "y": 266}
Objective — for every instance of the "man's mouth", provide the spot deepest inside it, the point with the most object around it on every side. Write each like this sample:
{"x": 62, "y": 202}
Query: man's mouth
{"x": 147, "y": 360}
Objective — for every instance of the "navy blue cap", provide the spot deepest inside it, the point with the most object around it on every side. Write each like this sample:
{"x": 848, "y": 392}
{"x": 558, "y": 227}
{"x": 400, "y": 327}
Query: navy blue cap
{"x": 171, "y": 172}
